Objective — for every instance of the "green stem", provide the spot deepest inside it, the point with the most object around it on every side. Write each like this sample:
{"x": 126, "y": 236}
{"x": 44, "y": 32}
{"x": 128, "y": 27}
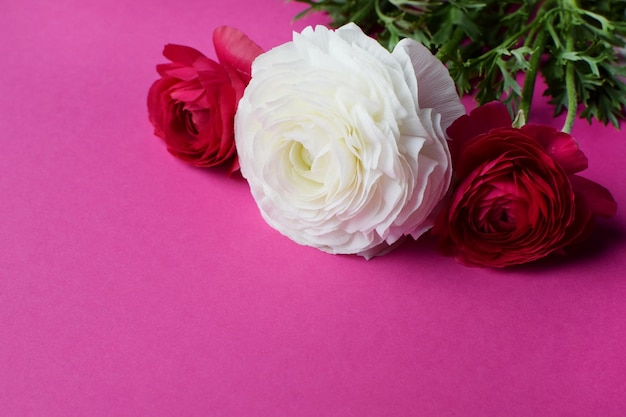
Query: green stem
{"x": 388, "y": 24}
{"x": 570, "y": 82}
{"x": 449, "y": 47}
{"x": 572, "y": 100}
{"x": 364, "y": 11}
{"x": 531, "y": 76}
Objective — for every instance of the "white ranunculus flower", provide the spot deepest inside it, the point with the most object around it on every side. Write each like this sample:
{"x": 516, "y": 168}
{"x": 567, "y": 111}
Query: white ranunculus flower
{"x": 343, "y": 143}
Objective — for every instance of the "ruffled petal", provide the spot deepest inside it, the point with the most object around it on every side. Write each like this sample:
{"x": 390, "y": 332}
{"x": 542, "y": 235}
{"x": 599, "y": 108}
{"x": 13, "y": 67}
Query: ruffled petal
{"x": 480, "y": 120}
{"x": 235, "y": 49}
{"x": 561, "y": 146}
{"x": 597, "y": 197}
{"x": 436, "y": 88}
{"x": 182, "y": 54}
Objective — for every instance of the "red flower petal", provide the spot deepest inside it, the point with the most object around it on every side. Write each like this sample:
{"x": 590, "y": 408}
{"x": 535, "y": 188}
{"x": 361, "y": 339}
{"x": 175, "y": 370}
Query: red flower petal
{"x": 480, "y": 120}
{"x": 235, "y": 49}
{"x": 597, "y": 197}
{"x": 182, "y": 54}
{"x": 561, "y": 146}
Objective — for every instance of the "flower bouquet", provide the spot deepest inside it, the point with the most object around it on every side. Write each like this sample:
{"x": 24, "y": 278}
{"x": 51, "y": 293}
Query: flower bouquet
{"x": 351, "y": 147}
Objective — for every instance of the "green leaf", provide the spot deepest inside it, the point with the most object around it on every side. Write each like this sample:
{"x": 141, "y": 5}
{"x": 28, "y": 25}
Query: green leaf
{"x": 486, "y": 44}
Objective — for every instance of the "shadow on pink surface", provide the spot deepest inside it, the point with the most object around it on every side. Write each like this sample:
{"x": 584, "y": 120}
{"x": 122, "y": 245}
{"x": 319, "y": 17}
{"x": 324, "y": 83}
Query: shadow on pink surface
{"x": 605, "y": 240}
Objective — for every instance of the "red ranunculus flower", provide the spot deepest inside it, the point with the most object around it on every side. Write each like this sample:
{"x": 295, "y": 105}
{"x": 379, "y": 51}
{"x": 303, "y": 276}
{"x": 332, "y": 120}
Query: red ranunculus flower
{"x": 516, "y": 198}
{"x": 192, "y": 106}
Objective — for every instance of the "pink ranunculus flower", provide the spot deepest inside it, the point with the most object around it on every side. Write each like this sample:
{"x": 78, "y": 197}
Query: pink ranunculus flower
{"x": 192, "y": 106}
{"x": 343, "y": 143}
{"x": 517, "y": 196}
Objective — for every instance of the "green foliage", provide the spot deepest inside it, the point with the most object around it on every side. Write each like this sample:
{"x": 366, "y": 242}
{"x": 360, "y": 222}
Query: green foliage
{"x": 490, "y": 46}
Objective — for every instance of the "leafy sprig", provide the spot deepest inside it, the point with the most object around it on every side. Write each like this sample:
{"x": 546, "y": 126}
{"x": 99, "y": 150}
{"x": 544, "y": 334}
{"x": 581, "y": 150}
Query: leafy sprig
{"x": 496, "y": 49}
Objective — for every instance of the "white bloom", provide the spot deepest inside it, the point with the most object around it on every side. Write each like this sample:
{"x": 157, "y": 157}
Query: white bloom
{"x": 343, "y": 143}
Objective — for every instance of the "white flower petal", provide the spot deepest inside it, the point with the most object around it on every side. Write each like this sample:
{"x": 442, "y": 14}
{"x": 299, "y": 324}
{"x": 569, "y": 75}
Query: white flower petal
{"x": 338, "y": 152}
{"x": 438, "y": 90}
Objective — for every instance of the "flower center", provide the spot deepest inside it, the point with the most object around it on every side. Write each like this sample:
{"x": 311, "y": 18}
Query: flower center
{"x": 189, "y": 122}
{"x": 300, "y": 157}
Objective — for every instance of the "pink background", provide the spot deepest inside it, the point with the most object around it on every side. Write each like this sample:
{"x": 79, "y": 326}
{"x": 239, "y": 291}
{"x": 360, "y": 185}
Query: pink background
{"x": 134, "y": 285}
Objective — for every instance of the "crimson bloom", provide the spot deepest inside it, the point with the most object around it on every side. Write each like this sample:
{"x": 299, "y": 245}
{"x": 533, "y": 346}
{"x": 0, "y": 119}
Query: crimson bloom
{"x": 517, "y": 197}
{"x": 192, "y": 106}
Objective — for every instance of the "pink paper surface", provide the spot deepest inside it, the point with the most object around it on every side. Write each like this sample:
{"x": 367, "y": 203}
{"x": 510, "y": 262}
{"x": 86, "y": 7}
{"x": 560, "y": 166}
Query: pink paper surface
{"x": 134, "y": 285}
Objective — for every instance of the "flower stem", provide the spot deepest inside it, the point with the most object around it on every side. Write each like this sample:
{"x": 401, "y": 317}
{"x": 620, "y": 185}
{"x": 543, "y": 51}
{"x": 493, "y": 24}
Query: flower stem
{"x": 457, "y": 37}
{"x": 363, "y": 12}
{"x": 572, "y": 101}
{"x": 570, "y": 82}
{"x": 531, "y": 75}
